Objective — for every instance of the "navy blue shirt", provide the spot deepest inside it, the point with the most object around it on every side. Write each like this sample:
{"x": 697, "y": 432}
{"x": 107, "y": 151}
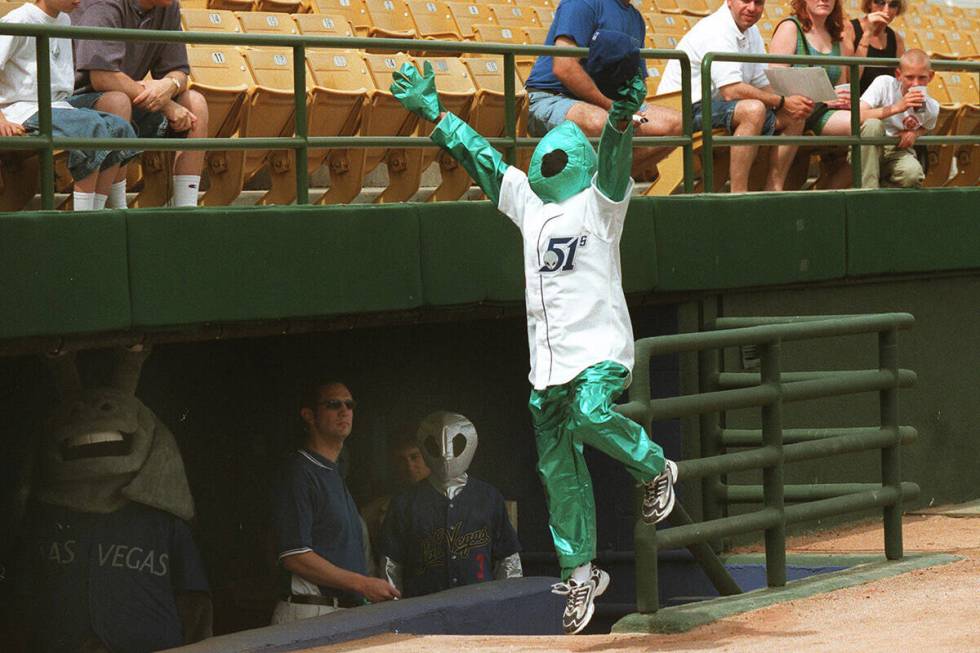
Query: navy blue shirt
{"x": 112, "y": 576}
{"x": 443, "y": 543}
{"x": 579, "y": 20}
{"x": 314, "y": 511}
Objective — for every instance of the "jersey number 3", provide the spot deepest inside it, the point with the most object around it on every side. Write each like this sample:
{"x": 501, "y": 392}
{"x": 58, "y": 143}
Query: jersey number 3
{"x": 560, "y": 254}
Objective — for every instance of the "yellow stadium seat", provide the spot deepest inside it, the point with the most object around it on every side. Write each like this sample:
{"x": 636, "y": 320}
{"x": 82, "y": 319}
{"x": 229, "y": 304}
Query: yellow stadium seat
{"x": 941, "y": 156}
{"x": 493, "y": 33}
{"x": 353, "y": 9}
{"x": 390, "y": 19}
{"x": 666, "y": 23}
{"x": 776, "y": 13}
{"x": 433, "y": 20}
{"x": 280, "y": 6}
{"x": 323, "y": 25}
{"x": 535, "y": 35}
{"x": 663, "y": 6}
{"x": 209, "y": 20}
{"x": 513, "y": 16}
{"x": 961, "y": 45}
{"x": 663, "y": 41}
{"x": 231, "y": 5}
{"x": 917, "y": 21}
{"x": 693, "y": 7}
{"x": 545, "y": 15}
{"x": 194, "y": 4}
{"x": 467, "y": 15}
{"x": 963, "y": 89}
{"x": 254, "y": 22}
{"x": 219, "y": 73}
{"x": 487, "y": 112}
{"x": 934, "y": 43}
{"x": 766, "y": 27}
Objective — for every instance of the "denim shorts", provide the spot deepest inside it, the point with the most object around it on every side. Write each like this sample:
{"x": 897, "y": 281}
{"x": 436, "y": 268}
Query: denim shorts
{"x": 722, "y": 114}
{"x": 147, "y": 124}
{"x": 86, "y": 123}
{"x": 548, "y": 110}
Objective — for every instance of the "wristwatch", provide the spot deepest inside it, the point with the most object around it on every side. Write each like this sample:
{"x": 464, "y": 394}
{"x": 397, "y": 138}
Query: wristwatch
{"x": 782, "y": 101}
{"x": 176, "y": 85}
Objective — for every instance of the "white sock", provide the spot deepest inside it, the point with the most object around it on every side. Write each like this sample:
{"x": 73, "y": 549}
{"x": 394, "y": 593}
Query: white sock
{"x": 581, "y": 573}
{"x": 83, "y": 201}
{"x": 117, "y": 195}
{"x": 185, "y": 189}
{"x": 99, "y": 202}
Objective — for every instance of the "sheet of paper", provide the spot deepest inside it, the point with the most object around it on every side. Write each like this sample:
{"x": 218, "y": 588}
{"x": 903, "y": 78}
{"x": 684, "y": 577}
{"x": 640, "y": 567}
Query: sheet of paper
{"x": 808, "y": 82}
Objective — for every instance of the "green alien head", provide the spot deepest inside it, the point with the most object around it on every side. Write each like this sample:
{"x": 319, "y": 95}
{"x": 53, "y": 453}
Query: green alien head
{"x": 563, "y": 163}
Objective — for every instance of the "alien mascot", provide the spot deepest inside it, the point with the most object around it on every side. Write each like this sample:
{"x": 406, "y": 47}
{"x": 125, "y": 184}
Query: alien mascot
{"x": 570, "y": 208}
{"x": 109, "y": 561}
{"x": 450, "y": 529}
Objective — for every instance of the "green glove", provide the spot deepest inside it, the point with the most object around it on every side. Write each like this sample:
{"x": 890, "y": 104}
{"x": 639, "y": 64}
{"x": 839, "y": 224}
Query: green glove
{"x": 417, "y": 93}
{"x": 631, "y": 97}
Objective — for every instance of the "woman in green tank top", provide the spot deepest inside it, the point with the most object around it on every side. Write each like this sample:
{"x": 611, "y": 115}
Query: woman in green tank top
{"x": 817, "y": 28}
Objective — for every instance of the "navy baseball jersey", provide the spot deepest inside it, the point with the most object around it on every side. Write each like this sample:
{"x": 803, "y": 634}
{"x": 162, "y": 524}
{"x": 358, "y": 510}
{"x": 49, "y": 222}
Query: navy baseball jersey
{"x": 111, "y": 576}
{"x": 443, "y": 543}
{"x": 314, "y": 511}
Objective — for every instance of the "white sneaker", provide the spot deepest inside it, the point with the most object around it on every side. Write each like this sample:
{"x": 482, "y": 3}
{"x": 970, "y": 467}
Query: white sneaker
{"x": 581, "y": 599}
{"x": 658, "y": 494}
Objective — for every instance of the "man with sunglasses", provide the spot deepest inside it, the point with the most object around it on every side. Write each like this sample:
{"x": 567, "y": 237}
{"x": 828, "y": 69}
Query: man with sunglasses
{"x": 319, "y": 533}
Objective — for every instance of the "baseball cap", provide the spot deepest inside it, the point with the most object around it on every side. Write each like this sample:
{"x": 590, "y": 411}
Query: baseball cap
{"x": 614, "y": 59}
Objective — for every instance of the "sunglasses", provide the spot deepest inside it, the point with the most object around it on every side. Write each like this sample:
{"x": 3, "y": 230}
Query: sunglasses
{"x": 894, "y": 4}
{"x": 335, "y": 404}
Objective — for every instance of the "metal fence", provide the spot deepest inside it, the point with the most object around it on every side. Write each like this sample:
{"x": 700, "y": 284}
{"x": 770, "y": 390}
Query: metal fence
{"x": 301, "y": 141}
{"x": 773, "y": 446}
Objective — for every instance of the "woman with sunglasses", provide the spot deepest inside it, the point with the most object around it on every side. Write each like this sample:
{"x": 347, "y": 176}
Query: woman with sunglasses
{"x": 874, "y": 38}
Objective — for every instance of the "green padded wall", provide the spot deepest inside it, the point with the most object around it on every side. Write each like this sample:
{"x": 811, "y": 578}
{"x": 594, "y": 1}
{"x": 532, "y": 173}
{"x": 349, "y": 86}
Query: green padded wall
{"x": 719, "y": 241}
{"x": 192, "y": 266}
{"x": 913, "y": 231}
{"x": 63, "y": 273}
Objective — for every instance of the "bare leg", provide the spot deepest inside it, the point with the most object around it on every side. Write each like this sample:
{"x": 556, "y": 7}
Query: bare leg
{"x": 749, "y": 118}
{"x": 105, "y": 179}
{"x": 88, "y": 184}
{"x": 782, "y": 156}
{"x": 191, "y": 162}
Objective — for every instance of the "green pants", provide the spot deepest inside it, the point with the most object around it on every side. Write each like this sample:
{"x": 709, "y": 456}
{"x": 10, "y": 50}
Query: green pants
{"x": 566, "y": 417}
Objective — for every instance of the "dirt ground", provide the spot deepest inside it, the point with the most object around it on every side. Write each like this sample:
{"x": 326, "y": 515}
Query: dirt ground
{"x": 935, "y": 609}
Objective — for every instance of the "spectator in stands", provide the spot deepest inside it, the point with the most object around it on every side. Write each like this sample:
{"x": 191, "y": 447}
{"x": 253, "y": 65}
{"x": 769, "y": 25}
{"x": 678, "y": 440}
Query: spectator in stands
{"x": 92, "y": 170}
{"x": 562, "y": 88}
{"x": 872, "y": 36}
{"x": 742, "y": 102}
{"x": 162, "y": 106}
{"x": 817, "y": 28}
{"x": 897, "y": 106}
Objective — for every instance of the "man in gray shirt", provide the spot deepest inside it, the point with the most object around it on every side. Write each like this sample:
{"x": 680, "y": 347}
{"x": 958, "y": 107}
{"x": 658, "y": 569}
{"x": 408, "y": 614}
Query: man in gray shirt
{"x": 162, "y": 106}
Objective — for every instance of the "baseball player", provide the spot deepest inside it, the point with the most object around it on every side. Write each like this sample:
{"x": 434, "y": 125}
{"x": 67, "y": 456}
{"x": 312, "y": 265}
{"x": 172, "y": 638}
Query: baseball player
{"x": 570, "y": 208}
{"x": 450, "y": 529}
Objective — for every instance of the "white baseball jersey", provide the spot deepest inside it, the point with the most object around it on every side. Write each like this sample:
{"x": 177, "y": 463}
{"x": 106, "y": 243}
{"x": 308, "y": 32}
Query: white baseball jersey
{"x": 576, "y": 309}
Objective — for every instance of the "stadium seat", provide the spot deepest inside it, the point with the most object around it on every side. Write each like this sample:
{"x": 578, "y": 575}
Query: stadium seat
{"x": 353, "y": 9}
{"x": 467, "y": 15}
{"x": 219, "y": 73}
{"x": 433, "y": 20}
{"x": 487, "y": 112}
{"x": 535, "y": 35}
{"x": 545, "y": 15}
{"x": 693, "y": 7}
{"x": 255, "y": 22}
{"x": 194, "y": 4}
{"x": 659, "y": 41}
{"x": 7, "y": 7}
{"x": 231, "y": 5}
{"x": 934, "y": 43}
{"x": 963, "y": 45}
{"x": 209, "y": 20}
{"x": 963, "y": 90}
{"x": 280, "y": 6}
{"x": 513, "y": 16}
{"x": 941, "y": 156}
{"x": 323, "y": 25}
{"x": 456, "y": 93}
{"x": 766, "y": 28}
{"x": 493, "y": 33}
{"x": 389, "y": 19}
{"x": 776, "y": 13}
{"x": 666, "y": 23}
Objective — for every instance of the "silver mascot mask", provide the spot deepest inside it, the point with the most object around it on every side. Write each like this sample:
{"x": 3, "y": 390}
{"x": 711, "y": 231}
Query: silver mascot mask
{"x": 448, "y": 442}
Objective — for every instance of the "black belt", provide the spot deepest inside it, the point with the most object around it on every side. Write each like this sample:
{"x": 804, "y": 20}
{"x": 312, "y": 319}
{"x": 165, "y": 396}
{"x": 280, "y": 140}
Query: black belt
{"x": 545, "y": 90}
{"x": 311, "y": 599}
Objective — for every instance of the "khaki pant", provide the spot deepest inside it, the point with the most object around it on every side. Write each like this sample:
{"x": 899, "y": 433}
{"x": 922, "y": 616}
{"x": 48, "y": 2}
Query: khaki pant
{"x": 886, "y": 163}
{"x": 286, "y": 612}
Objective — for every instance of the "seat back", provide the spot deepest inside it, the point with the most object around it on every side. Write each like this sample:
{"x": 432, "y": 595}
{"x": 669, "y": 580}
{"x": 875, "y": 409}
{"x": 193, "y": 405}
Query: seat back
{"x": 353, "y": 9}
{"x": 231, "y": 5}
{"x": 433, "y": 20}
{"x": 535, "y": 35}
{"x": 220, "y": 74}
{"x": 209, "y": 20}
{"x": 468, "y": 14}
{"x": 693, "y": 7}
{"x": 513, "y": 16}
{"x": 663, "y": 41}
{"x": 390, "y": 19}
{"x": 492, "y": 33}
{"x": 666, "y": 23}
{"x": 280, "y": 6}
{"x": 961, "y": 87}
{"x": 265, "y": 22}
{"x": 7, "y": 7}
{"x": 323, "y": 25}
{"x": 340, "y": 84}
{"x": 934, "y": 43}
{"x": 546, "y": 15}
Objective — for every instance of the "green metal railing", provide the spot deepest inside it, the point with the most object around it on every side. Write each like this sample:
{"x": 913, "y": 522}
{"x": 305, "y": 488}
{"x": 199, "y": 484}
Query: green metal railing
{"x": 855, "y": 140}
{"x": 301, "y": 141}
{"x": 773, "y": 446}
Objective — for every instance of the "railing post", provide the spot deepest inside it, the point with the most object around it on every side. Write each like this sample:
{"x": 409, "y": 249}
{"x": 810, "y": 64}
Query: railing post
{"x": 687, "y": 123}
{"x": 855, "y": 79}
{"x": 772, "y": 477}
{"x": 647, "y": 572}
{"x": 891, "y": 461}
{"x": 707, "y": 156}
{"x": 709, "y": 425}
{"x": 300, "y": 127}
{"x": 510, "y": 113}
{"x": 44, "y": 120}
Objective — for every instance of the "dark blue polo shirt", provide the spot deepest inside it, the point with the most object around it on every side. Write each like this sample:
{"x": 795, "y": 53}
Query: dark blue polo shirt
{"x": 109, "y": 575}
{"x": 314, "y": 511}
{"x": 443, "y": 543}
{"x": 578, "y": 20}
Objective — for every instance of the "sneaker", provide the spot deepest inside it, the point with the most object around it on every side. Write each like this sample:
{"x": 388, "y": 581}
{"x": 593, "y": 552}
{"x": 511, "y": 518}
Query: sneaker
{"x": 581, "y": 599}
{"x": 658, "y": 494}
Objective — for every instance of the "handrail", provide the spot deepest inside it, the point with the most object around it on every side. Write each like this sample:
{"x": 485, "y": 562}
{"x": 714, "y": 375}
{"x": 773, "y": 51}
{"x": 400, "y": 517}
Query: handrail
{"x": 301, "y": 141}
{"x": 855, "y": 140}
{"x": 772, "y": 446}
